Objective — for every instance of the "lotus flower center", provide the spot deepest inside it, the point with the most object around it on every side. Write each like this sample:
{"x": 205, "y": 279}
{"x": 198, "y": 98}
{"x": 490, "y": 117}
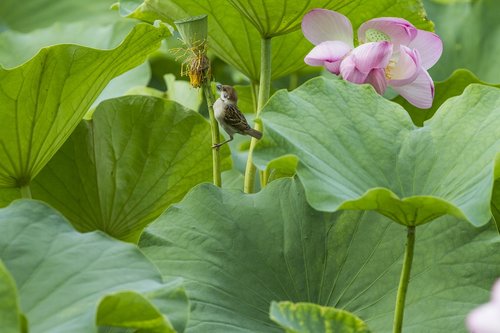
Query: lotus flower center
{"x": 373, "y": 35}
{"x": 388, "y": 69}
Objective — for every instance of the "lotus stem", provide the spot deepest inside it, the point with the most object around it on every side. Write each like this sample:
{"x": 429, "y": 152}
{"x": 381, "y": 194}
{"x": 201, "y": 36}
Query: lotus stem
{"x": 264, "y": 91}
{"x": 404, "y": 280}
{"x": 207, "y": 89}
{"x": 194, "y": 33}
{"x": 25, "y": 191}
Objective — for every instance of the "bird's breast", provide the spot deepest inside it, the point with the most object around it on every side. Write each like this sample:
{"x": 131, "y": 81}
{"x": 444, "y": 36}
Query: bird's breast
{"x": 219, "y": 110}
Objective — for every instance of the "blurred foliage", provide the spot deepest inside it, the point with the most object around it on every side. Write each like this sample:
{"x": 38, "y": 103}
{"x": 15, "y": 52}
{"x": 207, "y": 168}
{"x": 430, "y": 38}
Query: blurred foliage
{"x": 452, "y": 86}
{"x": 35, "y": 14}
{"x": 470, "y": 31}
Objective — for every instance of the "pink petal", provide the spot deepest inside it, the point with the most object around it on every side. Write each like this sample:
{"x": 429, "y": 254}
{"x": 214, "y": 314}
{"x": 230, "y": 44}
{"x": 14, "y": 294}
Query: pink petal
{"x": 372, "y": 55}
{"x": 327, "y": 53}
{"x": 377, "y": 79}
{"x": 495, "y": 294}
{"x": 430, "y": 47}
{"x": 420, "y": 92}
{"x": 321, "y": 25}
{"x": 484, "y": 319}
{"x": 406, "y": 69}
{"x": 333, "y": 67}
{"x": 399, "y": 30}
{"x": 349, "y": 71}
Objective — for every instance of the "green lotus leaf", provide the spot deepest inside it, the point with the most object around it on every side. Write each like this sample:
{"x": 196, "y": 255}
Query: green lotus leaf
{"x": 183, "y": 93}
{"x": 278, "y": 17}
{"x": 18, "y": 47}
{"x": 312, "y": 318}
{"x": 36, "y": 14}
{"x": 11, "y": 318}
{"x": 67, "y": 280}
{"x": 121, "y": 85}
{"x": 145, "y": 91}
{"x": 234, "y": 39}
{"x": 452, "y": 86}
{"x": 7, "y": 195}
{"x": 284, "y": 166}
{"x": 495, "y": 204}
{"x": 233, "y": 179}
{"x": 238, "y": 253}
{"x": 122, "y": 169}
{"x": 128, "y": 308}
{"x": 359, "y": 151}
{"x": 43, "y": 100}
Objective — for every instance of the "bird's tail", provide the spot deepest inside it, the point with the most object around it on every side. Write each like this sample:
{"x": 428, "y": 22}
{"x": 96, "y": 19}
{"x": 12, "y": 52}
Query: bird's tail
{"x": 256, "y": 134}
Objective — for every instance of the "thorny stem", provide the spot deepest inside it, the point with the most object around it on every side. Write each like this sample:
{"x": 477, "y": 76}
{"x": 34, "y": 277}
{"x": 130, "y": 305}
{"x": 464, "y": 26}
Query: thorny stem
{"x": 264, "y": 90}
{"x": 207, "y": 90}
{"x": 404, "y": 279}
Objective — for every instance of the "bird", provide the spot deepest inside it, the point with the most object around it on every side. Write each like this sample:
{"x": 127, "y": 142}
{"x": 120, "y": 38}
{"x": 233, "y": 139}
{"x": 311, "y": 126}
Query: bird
{"x": 229, "y": 116}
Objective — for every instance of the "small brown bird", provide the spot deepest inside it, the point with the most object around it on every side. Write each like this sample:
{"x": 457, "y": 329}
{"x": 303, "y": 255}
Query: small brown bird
{"x": 229, "y": 116}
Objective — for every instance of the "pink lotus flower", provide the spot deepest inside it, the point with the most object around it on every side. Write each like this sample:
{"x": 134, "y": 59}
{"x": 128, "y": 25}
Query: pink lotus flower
{"x": 486, "y": 318}
{"x": 392, "y": 52}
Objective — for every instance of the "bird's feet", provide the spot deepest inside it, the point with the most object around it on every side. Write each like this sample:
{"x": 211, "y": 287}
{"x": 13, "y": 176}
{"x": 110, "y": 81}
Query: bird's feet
{"x": 218, "y": 145}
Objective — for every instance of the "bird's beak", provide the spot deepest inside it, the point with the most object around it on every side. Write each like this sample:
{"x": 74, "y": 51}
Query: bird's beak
{"x": 219, "y": 87}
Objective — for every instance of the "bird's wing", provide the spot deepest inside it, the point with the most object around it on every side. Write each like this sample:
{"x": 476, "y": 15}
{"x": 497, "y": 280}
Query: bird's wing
{"x": 234, "y": 118}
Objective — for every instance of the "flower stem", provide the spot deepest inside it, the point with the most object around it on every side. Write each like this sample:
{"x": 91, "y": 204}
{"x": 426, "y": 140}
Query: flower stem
{"x": 404, "y": 280}
{"x": 255, "y": 94}
{"x": 207, "y": 90}
{"x": 294, "y": 81}
{"x": 264, "y": 90}
{"x": 25, "y": 191}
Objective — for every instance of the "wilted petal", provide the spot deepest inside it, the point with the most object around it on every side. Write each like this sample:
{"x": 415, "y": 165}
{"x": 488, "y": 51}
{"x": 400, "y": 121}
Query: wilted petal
{"x": 406, "y": 68}
{"x": 420, "y": 92}
{"x": 377, "y": 79}
{"x": 399, "y": 30}
{"x": 321, "y": 25}
{"x": 372, "y": 55}
{"x": 327, "y": 53}
{"x": 430, "y": 47}
{"x": 349, "y": 71}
